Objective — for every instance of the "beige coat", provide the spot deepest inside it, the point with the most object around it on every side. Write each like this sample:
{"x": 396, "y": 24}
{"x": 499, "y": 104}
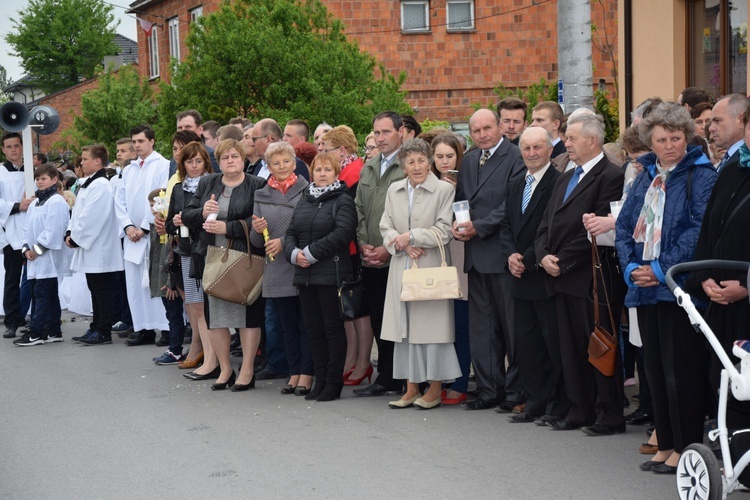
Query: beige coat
{"x": 429, "y": 322}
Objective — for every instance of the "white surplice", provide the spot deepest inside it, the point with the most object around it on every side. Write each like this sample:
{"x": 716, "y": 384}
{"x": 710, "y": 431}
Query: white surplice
{"x": 46, "y": 226}
{"x": 132, "y": 208}
{"x": 11, "y": 192}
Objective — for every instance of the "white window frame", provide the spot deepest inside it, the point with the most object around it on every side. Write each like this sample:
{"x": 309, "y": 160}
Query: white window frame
{"x": 195, "y": 13}
{"x": 472, "y": 19}
{"x": 174, "y": 38}
{"x": 426, "y": 6}
{"x": 153, "y": 52}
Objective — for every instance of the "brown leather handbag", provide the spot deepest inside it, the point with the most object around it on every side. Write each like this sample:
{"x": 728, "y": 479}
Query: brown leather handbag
{"x": 232, "y": 275}
{"x": 602, "y": 344}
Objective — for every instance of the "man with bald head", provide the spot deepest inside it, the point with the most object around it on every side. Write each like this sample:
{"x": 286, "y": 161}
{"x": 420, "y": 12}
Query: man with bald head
{"x": 537, "y": 346}
{"x": 266, "y": 132}
{"x": 483, "y": 181}
{"x": 727, "y": 130}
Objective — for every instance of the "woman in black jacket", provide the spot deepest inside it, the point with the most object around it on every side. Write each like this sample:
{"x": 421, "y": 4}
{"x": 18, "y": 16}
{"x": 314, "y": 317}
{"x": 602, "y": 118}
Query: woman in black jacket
{"x": 227, "y": 198}
{"x": 317, "y": 243}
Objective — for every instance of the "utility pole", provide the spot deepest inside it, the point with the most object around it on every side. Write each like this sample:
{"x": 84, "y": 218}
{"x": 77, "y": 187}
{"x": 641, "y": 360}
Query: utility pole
{"x": 574, "y": 54}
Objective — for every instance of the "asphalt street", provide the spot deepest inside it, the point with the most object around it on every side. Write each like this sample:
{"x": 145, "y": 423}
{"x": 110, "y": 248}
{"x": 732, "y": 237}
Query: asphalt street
{"x": 105, "y": 422}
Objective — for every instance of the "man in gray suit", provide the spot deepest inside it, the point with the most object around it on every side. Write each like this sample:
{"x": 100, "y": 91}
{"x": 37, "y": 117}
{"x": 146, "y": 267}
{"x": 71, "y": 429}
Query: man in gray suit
{"x": 483, "y": 180}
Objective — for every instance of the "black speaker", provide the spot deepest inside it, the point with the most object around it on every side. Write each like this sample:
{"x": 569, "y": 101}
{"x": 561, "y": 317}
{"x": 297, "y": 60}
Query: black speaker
{"x": 44, "y": 120}
{"x": 14, "y": 116}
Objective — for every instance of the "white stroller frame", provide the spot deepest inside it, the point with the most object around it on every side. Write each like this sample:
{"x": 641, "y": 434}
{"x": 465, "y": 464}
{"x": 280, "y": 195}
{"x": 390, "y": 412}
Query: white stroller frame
{"x": 698, "y": 473}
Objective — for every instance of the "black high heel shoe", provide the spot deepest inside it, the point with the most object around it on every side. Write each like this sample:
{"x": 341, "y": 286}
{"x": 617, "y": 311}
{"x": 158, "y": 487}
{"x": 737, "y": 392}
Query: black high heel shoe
{"x": 329, "y": 393}
{"x": 221, "y": 386}
{"x": 244, "y": 387}
{"x": 215, "y": 373}
{"x": 301, "y": 390}
{"x": 316, "y": 390}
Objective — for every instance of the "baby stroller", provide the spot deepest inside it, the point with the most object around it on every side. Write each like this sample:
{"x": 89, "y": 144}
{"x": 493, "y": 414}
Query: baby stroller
{"x": 699, "y": 475}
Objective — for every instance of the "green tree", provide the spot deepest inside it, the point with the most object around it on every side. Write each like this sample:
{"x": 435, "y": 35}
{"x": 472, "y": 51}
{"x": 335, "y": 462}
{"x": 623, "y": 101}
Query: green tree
{"x": 279, "y": 59}
{"x": 4, "y": 82}
{"x": 61, "y": 42}
{"x": 108, "y": 112}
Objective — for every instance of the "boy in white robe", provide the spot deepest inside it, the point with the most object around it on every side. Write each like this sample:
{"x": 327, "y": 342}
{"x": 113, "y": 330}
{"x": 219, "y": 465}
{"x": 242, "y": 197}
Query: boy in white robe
{"x": 46, "y": 221}
{"x": 94, "y": 235}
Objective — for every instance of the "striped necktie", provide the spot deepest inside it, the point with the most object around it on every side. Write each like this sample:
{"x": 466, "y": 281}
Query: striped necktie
{"x": 484, "y": 158}
{"x": 723, "y": 162}
{"x": 527, "y": 193}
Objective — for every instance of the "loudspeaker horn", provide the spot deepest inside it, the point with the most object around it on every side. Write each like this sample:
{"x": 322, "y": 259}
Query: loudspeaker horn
{"x": 14, "y": 116}
{"x": 44, "y": 120}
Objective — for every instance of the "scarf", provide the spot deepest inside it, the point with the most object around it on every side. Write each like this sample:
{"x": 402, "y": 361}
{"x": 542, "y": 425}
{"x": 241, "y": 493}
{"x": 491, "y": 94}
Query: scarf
{"x": 349, "y": 159}
{"x": 45, "y": 195}
{"x": 744, "y": 156}
{"x": 317, "y": 192}
{"x": 190, "y": 184}
{"x": 648, "y": 227}
{"x": 284, "y": 185}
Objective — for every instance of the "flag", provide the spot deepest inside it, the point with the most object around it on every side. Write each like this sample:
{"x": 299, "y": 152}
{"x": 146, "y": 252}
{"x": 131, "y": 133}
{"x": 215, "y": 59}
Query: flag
{"x": 146, "y": 26}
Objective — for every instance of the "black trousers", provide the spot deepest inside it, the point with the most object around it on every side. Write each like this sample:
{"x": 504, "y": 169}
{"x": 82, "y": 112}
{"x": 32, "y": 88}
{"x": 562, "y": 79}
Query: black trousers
{"x": 13, "y": 262}
{"x": 325, "y": 330}
{"x": 486, "y": 336}
{"x": 593, "y": 397}
{"x": 103, "y": 288}
{"x": 538, "y": 357}
{"x": 675, "y": 356}
{"x": 376, "y": 281}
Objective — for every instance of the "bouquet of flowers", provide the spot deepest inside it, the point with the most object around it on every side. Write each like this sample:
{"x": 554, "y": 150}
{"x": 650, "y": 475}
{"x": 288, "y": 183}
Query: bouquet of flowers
{"x": 160, "y": 209}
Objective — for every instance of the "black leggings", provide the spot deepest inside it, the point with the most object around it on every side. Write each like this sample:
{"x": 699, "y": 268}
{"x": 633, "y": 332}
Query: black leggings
{"x": 325, "y": 330}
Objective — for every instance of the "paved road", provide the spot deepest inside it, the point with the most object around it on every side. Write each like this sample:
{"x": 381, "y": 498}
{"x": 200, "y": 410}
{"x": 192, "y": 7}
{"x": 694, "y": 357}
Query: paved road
{"x": 105, "y": 422}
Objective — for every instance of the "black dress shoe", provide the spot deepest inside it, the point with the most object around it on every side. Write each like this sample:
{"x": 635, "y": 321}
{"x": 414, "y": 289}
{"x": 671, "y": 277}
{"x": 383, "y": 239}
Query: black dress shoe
{"x": 506, "y": 407}
{"x": 374, "y": 390}
{"x": 647, "y": 466}
{"x": 268, "y": 374}
{"x": 639, "y": 417}
{"x": 215, "y": 373}
{"x": 244, "y": 387}
{"x": 301, "y": 390}
{"x": 10, "y": 333}
{"x": 663, "y": 468}
{"x": 142, "y": 338}
{"x": 563, "y": 424}
{"x": 542, "y": 421}
{"x": 220, "y": 386}
{"x": 163, "y": 340}
{"x": 603, "y": 429}
{"x": 522, "y": 418}
{"x": 479, "y": 404}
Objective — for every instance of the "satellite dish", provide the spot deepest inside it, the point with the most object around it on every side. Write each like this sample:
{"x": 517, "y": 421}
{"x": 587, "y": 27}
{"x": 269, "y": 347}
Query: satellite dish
{"x": 44, "y": 120}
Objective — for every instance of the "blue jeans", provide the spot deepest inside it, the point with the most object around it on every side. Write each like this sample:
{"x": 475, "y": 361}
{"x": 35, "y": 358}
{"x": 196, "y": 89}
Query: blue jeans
{"x": 461, "y": 343}
{"x": 275, "y": 354}
{"x": 45, "y": 314}
{"x": 296, "y": 343}
{"x": 176, "y": 321}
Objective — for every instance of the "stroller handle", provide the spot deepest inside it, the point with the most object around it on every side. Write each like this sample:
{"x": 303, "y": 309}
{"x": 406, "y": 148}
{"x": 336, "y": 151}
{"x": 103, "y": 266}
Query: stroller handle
{"x": 732, "y": 265}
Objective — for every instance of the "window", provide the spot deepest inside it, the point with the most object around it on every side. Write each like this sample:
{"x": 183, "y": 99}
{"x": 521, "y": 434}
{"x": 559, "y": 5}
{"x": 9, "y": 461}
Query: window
{"x": 460, "y": 15}
{"x": 174, "y": 38}
{"x": 196, "y": 13}
{"x": 717, "y": 57}
{"x": 153, "y": 52}
{"x": 415, "y": 16}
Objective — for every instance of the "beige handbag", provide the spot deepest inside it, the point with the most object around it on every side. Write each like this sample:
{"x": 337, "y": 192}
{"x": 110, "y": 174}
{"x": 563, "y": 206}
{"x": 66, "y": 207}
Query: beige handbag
{"x": 431, "y": 283}
{"x": 232, "y": 275}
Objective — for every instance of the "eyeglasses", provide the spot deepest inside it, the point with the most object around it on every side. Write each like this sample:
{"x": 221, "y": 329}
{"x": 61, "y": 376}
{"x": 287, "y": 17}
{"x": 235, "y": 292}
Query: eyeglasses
{"x": 371, "y": 148}
{"x": 259, "y": 137}
{"x": 332, "y": 149}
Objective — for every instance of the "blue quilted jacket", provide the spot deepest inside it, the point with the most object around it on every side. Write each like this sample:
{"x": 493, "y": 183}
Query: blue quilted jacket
{"x": 680, "y": 228}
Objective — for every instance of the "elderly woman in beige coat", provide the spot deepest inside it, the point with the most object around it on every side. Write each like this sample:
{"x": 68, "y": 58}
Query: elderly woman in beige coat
{"x": 422, "y": 331}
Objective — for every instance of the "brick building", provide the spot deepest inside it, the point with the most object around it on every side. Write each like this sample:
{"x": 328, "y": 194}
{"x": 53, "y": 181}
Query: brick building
{"x": 453, "y": 51}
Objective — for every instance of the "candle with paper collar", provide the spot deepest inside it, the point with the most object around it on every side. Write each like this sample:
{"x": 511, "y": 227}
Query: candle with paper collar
{"x": 266, "y": 237}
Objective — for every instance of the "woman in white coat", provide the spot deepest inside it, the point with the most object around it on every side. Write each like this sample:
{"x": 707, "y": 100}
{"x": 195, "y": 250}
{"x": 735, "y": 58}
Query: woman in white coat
{"x": 423, "y": 332}
{"x": 94, "y": 235}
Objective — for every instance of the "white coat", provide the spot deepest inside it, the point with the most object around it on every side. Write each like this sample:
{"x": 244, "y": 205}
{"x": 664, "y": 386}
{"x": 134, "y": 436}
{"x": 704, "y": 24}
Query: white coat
{"x": 11, "y": 192}
{"x": 46, "y": 226}
{"x": 94, "y": 228}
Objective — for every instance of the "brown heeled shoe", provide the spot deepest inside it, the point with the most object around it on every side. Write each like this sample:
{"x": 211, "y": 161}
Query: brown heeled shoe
{"x": 187, "y": 364}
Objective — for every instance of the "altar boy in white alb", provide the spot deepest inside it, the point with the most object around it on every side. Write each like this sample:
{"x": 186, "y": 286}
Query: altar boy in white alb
{"x": 46, "y": 221}
{"x": 147, "y": 172}
{"x": 94, "y": 234}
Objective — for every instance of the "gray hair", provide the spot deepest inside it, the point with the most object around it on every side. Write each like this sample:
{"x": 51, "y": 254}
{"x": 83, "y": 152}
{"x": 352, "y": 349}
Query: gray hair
{"x": 592, "y": 125}
{"x": 414, "y": 146}
{"x": 547, "y": 135}
{"x": 670, "y": 116}
{"x": 737, "y": 105}
{"x": 280, "y": 148}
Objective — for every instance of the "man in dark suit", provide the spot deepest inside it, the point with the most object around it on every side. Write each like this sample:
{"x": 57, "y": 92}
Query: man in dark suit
{"x": 265, "y": 132}
{"x": 727, "y": 128}
{"x": 549, "y": 115}
{"x": 537, "y": 346}
{"x": 483, "y": 181}
{"x": 564, "y": 251}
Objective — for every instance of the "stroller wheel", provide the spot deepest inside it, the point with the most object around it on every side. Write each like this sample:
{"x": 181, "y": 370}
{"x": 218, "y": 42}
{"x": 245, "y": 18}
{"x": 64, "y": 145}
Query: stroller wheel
{"x": 698, "y": 474}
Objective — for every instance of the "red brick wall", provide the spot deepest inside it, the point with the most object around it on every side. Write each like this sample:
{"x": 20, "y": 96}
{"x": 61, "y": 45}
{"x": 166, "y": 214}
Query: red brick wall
{"x": 68, "y": 104}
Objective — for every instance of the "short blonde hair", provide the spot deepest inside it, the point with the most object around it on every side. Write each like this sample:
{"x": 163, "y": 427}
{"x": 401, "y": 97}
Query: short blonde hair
{"x": 330, "y": 158}
{"x": 227, "y": 144}
{"x": 342, "y": 136}
{"x": 280, "y": 148}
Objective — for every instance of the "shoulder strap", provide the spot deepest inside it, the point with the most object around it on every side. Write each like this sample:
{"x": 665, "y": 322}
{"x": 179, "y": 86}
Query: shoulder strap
{"x": 596, "y": 264}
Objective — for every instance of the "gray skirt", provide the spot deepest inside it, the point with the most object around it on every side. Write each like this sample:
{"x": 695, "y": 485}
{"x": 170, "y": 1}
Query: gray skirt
{"x": 193, "y": 287}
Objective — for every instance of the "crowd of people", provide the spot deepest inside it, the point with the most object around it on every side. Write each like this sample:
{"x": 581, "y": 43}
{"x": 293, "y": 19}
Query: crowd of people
{"x": 673, "y": 188}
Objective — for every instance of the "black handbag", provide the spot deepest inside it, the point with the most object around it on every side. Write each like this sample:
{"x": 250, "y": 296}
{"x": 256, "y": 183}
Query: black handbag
{"x": 352, "y": 296}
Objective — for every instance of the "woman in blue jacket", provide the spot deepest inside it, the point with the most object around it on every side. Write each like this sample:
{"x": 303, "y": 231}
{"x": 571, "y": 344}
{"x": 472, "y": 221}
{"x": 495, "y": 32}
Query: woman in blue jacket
{"x": 657, "y": 228}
